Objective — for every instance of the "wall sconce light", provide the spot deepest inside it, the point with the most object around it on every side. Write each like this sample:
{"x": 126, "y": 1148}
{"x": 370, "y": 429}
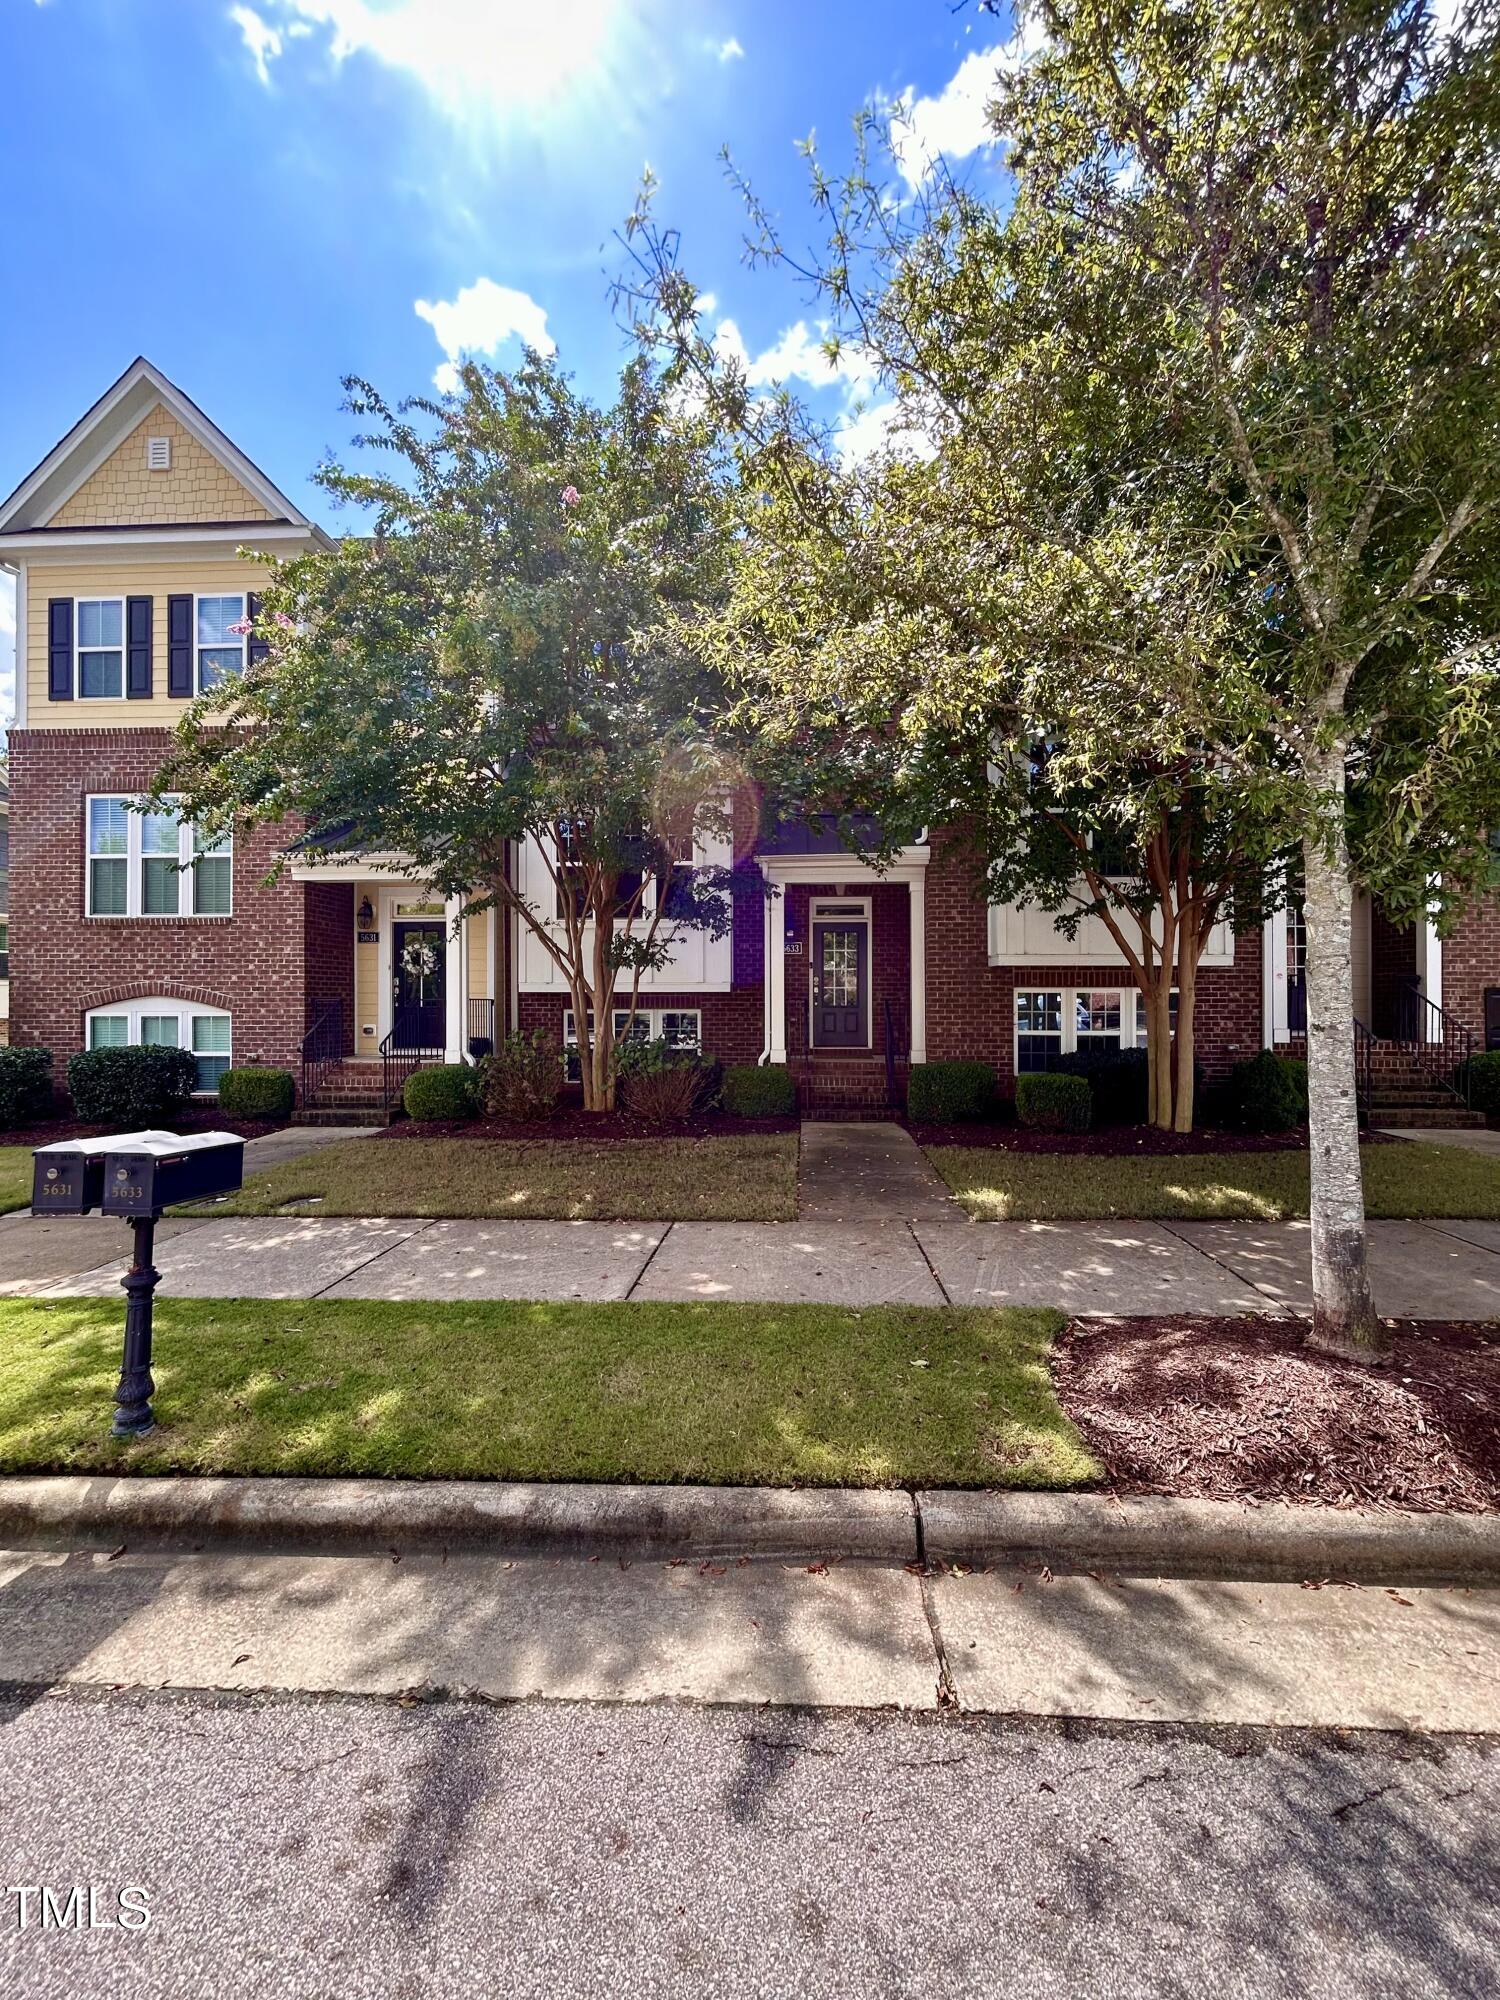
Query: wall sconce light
{"x": 365, "y": 920}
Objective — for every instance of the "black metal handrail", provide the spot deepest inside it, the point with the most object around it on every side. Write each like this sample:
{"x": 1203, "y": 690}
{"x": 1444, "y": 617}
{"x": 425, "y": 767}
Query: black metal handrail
{"x": 1364, "y": 1071}
{"x": 481, "y": 1038}
{"x": 1442, "y": 1043}
{"x": 322, "y": 1048}
{"x": 403, "y": 1050}
{"x": 894, "y": 1038}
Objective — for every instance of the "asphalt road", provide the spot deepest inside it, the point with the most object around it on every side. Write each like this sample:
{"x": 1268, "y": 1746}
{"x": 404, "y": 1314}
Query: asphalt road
{"x": 301, "y": 1847}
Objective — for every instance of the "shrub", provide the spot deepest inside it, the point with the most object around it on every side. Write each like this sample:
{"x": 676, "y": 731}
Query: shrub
{"x": 759, "y": 1090}
{"x": 254, "y": 1092}
{"x": 25, "y": 1086}
{"x": 1268, "y": 1093}
{"x": 1484, "y": 1082}
{"x": 1118, "y": 1081}
{"x": 131, "y": 1087}
{"x": 523, "y": 1078}
{"x": 944, "y": 1093}
{"x": 1053, "y": 1101}
{"x": 446, "y": 1091}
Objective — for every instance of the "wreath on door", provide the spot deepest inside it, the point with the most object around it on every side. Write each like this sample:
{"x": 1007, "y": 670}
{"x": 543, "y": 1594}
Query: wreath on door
{"x": 419, "y": 961}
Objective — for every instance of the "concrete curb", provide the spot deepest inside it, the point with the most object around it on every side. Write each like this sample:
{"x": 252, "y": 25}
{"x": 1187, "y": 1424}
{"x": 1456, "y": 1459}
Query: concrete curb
{"x": 1067, "y": 1531}
{"x": 348, "y": 1516}
{"x": 1211, "y": 1538}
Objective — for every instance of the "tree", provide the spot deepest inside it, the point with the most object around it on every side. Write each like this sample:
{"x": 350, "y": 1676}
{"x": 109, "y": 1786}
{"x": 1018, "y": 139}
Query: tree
{"x": 508, "y": 657}
{"x": 1229, "y": 351}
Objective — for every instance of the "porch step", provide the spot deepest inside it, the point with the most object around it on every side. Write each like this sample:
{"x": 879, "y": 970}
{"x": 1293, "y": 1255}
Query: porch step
{"x": 1427, "y": 1117}
{"x": 846, "y": 1087}
{"x": 344, "y": 1114}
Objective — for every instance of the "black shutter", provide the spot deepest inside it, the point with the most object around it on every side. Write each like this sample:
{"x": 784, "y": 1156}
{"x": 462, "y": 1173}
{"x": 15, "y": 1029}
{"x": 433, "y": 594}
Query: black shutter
{"x": 138, "y": 612}
{"x": 59, "y": 649}
{"x": 180, "y": 647}
{"x": 255, "y": 649}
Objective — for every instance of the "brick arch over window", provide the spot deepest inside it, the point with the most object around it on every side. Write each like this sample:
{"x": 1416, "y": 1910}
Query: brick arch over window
{"x": 153, "y": 989}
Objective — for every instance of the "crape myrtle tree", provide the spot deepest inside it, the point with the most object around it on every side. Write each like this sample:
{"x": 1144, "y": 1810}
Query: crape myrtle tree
{"x": 1231, "y": 344}
{"x": 507, "y": 656}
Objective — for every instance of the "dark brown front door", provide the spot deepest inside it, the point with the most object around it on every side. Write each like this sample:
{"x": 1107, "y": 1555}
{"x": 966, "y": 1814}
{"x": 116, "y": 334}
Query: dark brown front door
{"x": 840, "y": 973}
{"x": 420, "y": 1019}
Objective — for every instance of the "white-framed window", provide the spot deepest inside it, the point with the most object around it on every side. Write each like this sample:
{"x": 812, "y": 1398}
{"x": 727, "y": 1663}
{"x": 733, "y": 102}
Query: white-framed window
{"x": 682, "y": 1027}
{"x": 99, "y": 647}
{"x": 170, "y": 1024}
{"x": 1058, "y": 1021}
{"x": 220, "y": 629}
{"x": 152, "y": 864}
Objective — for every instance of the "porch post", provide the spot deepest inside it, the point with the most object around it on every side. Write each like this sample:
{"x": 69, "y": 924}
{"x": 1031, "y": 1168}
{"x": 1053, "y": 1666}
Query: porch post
{"x": 916, "y": 890}
{"x": 1430, "y": 972}
{"x": 457, "y": 981}
{"x": 776, "y": 970}
{"x": 1274, "y": 960}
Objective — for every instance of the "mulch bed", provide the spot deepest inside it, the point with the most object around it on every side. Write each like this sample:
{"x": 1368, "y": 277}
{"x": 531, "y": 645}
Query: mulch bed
{"x": 1122, "y": 1141}
{"x": 197, "y": 1121}
{"x": 1242, "y": 1409}
{"x": 600, "y": 1127}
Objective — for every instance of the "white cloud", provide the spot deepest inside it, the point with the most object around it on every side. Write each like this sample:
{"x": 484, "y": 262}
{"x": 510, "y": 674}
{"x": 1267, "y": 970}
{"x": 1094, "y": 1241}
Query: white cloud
{"x": 480, "y": 320}
{"x": 865, "y": 420}
{"x": 260, "y": 38}
{"x": 467, "y": 54}
{"x": 799, "y": 356}
{"x": 729, "y": 51}
{"x": 955, "y": 123}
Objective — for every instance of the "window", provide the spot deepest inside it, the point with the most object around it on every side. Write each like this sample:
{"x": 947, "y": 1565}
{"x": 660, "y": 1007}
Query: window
{"x": 1096, "y": 1019}
{"x": 1039, "y": 1021}
{"x": 221, "y": 639}
{"x": 4, "y": 949}
{"x": 680, "y": 1027}
{"x": 99, "y": 626}
{"x": 1142, "y": 1021}
{"x": 154, "y": 864}
{"x": 1050, "y": 1025}
{"x": 167, "y": 1024}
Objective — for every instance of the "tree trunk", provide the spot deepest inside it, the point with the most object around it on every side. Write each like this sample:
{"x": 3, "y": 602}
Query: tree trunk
{"x": 1159, "y": 1041}
{"x": 1344, "y": 1320}
{"x": 1183, "y": 1043}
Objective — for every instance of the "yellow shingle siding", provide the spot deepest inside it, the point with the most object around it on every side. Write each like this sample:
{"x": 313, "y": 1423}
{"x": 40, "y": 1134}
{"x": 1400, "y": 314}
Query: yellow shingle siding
{"x": 479, "y": 955}
{"x": 205, "y": 575}
{"x": 122, "y": 493}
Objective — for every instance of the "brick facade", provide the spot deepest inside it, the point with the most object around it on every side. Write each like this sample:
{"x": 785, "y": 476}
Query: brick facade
{"x": 1471, "y": 963}
{"x": 971, "y": 1003}
{"x": 64, "y": 963}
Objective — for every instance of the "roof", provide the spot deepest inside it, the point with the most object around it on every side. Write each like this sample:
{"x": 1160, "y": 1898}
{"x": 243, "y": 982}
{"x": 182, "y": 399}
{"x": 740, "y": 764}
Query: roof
{"x": 122, "y": 407}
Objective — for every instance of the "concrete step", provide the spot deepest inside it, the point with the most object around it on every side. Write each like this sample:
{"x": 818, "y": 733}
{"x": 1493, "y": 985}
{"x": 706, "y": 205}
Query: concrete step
{"x": 1428, "y": 1118}
{"x": 343, "y": 1114}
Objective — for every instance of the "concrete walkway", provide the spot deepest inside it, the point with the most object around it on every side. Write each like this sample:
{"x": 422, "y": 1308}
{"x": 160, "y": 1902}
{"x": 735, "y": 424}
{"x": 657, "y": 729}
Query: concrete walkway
{"x": 1467, "y": 1140}
{"x": 868, "y": 1173}
{"x": 1426, "y": 1270}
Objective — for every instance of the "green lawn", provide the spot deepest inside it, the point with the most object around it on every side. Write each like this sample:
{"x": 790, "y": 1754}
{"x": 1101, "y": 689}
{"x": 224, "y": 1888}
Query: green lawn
{"x": 736, "y": 1394}
{"x": 15, "y": 1178}
{"x": 1400, "y": 1180}
{"x": 747, "y": 1179}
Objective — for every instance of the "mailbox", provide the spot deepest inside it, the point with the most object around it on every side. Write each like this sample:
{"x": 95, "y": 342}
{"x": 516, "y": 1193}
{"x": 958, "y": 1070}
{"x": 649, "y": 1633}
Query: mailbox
{"x": 68, "y": 1178}
{"x": 145, "y": 1172}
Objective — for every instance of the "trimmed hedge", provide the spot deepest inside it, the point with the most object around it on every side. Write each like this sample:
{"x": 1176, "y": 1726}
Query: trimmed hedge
{"x": 1267, "y": 1094}
{"x": 25, "y": 1086}
{"x": 1053, "y": 1101}
{"x": 254, "y": 1092}
{"x": 949, "y": 1093}
{"x": 131, "y": 1087}
{"x": 447, "y": 1091}
{"x": 759, "y": 1090}
{"x": 1484, "y": 1082}
{"x": 1118, "y": 1080}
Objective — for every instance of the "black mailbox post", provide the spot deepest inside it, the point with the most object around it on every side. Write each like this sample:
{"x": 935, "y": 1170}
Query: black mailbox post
{"x": 135, "y": 1175}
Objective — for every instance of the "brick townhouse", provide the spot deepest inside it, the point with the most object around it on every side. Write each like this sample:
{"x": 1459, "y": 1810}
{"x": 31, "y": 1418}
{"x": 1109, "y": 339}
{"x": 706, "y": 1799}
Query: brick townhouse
{"x": 132, "y": 596}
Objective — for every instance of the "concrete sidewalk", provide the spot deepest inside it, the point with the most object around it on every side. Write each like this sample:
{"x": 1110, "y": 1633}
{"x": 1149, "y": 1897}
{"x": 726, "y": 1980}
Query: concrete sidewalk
{"x": 1426, "y": 1270}
{"x": 854, "y": 1635}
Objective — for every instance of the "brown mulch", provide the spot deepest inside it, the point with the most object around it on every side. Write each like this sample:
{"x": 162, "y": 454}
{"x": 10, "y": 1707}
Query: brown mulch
{"x": 599, "y": 1127}
{"x": 1242, "y": 1409}
{"x": 196, "y": 1121}
{"x": 1121, "y": 1141}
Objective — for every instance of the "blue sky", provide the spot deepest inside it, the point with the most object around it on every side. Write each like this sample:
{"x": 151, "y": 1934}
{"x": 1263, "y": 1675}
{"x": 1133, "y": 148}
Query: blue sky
{"x": 266, "y": 196}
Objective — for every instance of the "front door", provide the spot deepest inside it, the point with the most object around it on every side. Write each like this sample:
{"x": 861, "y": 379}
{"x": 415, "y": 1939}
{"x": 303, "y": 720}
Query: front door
{"x": 419, "y": 1019}
{"x": 840, "y": 971}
